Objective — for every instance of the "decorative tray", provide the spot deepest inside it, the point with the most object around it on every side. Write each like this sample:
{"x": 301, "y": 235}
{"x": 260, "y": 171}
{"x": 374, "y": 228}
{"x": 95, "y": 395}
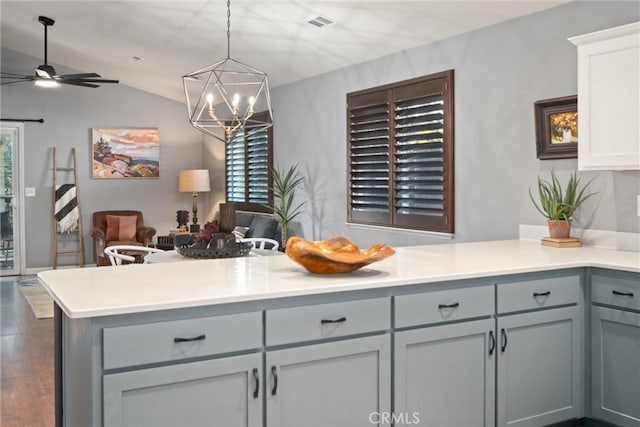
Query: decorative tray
{"x": 221, "y": 245}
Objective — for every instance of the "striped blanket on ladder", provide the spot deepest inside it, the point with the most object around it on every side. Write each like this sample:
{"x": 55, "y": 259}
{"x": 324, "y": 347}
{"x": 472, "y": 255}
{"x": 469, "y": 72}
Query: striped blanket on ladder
{"x": 66, "y": 208}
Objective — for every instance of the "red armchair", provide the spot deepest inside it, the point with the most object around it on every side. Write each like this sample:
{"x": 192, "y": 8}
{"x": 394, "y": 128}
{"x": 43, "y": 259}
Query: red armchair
{"x": 119, "y": 229}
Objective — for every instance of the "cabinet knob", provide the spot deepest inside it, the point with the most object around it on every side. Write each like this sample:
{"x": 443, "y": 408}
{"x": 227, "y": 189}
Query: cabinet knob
{"x": 454, "y": 305}
{"x": 256, "y": 378}
{"x": 623, "y": 294}
{"x": 338, "y": 320}
{"x": 274, "y": 374}
{"x": 492, "y": 343}
{"x": 198, "y": 338}
{"x": 541, "y": 294}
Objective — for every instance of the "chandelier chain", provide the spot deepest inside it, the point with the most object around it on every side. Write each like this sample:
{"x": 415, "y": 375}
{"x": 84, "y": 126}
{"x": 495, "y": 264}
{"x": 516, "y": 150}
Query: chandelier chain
{"x": 228, "y": 29}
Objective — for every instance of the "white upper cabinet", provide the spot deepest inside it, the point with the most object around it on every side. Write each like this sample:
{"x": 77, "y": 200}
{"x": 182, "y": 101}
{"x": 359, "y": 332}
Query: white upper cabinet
{"x": 609, "y": 98}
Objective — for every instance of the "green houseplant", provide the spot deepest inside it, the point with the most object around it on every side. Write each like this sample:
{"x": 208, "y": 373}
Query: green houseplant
{"x": 559, "y": 206}
{"x": 284, "y": 186}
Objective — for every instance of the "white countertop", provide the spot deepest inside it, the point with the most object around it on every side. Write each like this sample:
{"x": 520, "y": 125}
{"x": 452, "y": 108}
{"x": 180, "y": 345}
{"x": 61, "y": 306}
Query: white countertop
{"x": 136, "y": 288}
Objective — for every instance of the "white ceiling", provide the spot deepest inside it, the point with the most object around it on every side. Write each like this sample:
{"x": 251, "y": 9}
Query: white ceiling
{"x": 175, "y": 37}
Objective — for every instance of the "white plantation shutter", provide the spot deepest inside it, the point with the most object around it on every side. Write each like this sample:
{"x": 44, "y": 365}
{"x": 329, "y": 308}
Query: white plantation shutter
{"x": 401, "y": 154}
{"x": 248, "y": 166}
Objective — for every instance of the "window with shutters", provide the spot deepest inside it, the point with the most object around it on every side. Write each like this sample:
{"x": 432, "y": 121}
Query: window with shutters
{"x": 400, "y": 154}
{"x": 248, "y": 160}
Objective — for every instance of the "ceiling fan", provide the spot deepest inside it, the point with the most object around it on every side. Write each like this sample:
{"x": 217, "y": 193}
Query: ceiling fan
{"x": 45, "y": 75}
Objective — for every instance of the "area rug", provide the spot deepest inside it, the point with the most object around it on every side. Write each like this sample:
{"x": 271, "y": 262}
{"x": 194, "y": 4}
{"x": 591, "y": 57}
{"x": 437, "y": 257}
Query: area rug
{"x": 40, "y": 301}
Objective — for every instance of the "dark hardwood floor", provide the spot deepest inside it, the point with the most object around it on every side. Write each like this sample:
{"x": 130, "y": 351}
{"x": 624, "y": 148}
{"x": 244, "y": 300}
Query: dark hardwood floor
{"x": 26, "y": 362}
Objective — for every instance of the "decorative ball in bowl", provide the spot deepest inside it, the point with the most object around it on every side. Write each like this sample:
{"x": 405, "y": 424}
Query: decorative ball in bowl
{"x": 337, "y": 255}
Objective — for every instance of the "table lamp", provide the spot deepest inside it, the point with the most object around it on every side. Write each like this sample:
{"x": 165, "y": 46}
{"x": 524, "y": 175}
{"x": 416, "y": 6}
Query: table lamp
{"x": 194, "y": 181}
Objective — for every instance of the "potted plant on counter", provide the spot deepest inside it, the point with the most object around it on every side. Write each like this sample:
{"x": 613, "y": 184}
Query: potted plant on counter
{"x": 284, "y": 187}
{"x": 559, "y": 206}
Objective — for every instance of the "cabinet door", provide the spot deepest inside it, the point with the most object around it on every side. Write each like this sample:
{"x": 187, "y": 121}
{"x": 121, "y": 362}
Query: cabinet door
{"x": 343, "y": 383}
{"x": 540, "y": 367}
{"x": 609, "y": 99}
{"x": 615, "y": 360}
{"x": 223, "y": 392}
{"x": 444, "y": 375}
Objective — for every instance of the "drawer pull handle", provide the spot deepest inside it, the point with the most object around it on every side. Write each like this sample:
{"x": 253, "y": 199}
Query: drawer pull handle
{"x": 623, "y": 294}
{"x": 454, "y": 305}
{"x": 198, "y": 338}
{"x": 492, "y": 343}
{"x": 274, "y": 374}
{"x": 503, "y": 333}
{"x": 257, "y": 381}
{"x": 338, "y": 320}
{"x": 541, "y": 294}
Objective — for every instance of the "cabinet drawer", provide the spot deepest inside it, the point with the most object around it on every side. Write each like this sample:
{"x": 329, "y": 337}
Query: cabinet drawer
{"x": 321, "y": 321}
{"x": 444, "y": 306}
{"x": 619, "y": 292}
{"x": 180, "y": 339}
{"x": 541, "y": 293}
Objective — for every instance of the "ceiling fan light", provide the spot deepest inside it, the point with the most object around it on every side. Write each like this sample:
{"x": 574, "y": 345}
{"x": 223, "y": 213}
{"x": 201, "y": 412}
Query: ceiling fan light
{"x": 47, "y": 83}
{"x": 45, "y": 71}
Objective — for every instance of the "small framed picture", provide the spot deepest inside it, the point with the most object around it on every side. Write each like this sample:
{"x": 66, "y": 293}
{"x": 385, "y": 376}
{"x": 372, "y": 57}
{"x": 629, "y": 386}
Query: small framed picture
{"x": 557, "y": 128}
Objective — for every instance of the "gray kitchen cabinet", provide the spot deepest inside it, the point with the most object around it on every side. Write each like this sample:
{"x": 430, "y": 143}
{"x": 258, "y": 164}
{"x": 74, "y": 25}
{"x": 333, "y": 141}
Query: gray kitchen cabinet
{"x": 218, "y": 392}
{"x": 539, "y": 374}
{"x": 341, "y": 383}
{"x": 615, "y": 359}
{"x": 444, "y": 375}
{"x": 615, "y": 350}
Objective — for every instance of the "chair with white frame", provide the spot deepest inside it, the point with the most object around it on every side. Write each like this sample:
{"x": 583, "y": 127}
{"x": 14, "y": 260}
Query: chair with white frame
{"x": 262, "y": 243}
{"x": 119, "y": 253}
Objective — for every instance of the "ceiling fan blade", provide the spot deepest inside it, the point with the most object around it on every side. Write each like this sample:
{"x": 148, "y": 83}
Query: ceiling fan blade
{"x": 6, "y": 75}
{"x": 94, "y": 80}
{"x": 78, "y": 76}
{"x": 15, "y": 81}
{"x": 78, "y": 83}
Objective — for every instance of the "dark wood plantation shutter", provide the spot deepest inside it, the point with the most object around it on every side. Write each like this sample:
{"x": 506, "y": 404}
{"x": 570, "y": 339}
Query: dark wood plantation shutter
{"x": 248, "y": 167}
{"x": 415, "y": 172}
{"x": 369, "y": 158}
{"x": 421, "y": 170}
{"x": 258, "y": 166}
{"x": 235, "y": 168}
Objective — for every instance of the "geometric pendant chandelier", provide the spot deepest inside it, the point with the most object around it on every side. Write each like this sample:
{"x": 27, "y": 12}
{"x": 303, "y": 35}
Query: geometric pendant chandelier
{"x": 223, "y": 97}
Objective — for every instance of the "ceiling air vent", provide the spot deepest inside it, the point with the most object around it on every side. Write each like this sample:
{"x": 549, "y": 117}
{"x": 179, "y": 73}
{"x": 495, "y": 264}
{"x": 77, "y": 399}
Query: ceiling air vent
{"x": 320, "y": 22}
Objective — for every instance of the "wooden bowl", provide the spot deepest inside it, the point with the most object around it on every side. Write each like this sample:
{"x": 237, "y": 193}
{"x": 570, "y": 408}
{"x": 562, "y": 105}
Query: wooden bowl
{"x": 337, "y": 255}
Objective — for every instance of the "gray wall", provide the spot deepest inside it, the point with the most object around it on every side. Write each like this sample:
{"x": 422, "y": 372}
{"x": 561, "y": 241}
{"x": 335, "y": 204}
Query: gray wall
{"x": 70, "y": 113}
{"x": 500, "y": 71}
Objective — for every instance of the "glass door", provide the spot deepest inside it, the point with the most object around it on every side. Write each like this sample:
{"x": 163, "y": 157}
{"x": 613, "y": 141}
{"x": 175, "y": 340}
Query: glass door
{"x": 10, "y": 140}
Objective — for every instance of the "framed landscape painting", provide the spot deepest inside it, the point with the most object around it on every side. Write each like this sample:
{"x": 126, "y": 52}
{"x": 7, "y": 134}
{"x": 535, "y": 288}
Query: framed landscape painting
{"x": 557, "y": 128}
{"x": 125, "y": 153}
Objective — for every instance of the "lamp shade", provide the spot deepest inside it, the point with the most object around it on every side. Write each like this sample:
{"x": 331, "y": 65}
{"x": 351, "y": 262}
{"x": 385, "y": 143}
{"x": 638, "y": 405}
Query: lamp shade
{"x": 194, "y": 181}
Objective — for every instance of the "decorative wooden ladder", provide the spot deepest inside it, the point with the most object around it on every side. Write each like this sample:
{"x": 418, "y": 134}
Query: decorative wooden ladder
{"x": 68, "y": 193}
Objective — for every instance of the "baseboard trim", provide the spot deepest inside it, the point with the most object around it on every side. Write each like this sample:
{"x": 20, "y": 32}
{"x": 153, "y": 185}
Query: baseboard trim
{"x": 581, "y": 422}
{"x": 36, "y": 270}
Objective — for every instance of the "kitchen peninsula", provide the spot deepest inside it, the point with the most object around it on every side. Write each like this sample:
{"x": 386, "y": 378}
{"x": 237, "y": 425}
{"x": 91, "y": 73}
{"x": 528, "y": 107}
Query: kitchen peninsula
{"x": 510, "y": 330}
